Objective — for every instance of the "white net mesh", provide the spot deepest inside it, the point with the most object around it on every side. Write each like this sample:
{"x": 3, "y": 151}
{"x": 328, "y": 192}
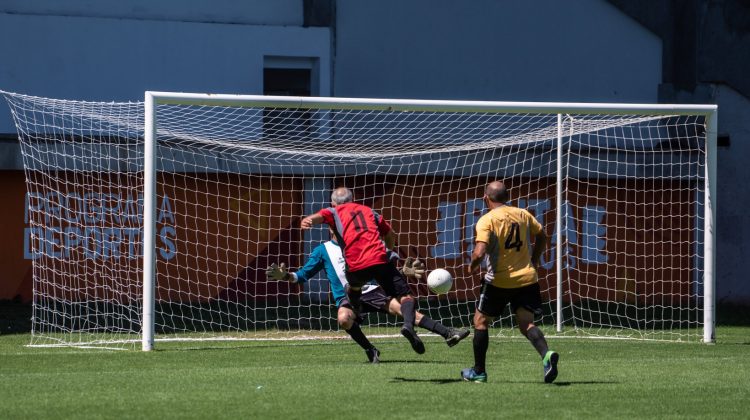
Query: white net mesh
{"x": 83, "y": 164}
{"x": 234, "y": 181}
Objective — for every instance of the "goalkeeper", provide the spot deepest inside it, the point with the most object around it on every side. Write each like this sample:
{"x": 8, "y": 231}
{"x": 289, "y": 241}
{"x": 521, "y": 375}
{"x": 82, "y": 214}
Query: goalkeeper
{"x": 328, "y": 256}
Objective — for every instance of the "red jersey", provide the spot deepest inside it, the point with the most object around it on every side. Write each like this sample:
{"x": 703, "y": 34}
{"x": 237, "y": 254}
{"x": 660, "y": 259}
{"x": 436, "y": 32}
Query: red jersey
{"x": 358, "y": 229}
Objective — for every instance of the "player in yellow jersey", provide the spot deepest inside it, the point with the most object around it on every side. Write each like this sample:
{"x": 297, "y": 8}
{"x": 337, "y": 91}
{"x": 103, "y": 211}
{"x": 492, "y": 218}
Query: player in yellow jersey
{"x": 502, "y": 237}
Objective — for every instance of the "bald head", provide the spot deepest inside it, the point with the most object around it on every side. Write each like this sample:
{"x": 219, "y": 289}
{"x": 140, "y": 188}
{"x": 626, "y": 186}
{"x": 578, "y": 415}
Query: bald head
{"x": 341, "y": 195}
{"x": 496, "y": 192}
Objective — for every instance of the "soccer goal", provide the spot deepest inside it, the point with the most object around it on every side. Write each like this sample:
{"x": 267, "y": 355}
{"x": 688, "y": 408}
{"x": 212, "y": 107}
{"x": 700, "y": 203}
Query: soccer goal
{"x": 156, "y": 220}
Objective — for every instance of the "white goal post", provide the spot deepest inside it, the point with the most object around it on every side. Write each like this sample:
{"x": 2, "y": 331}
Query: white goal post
{"x": 395, "y": 105}
{"x": 626, "y": 193}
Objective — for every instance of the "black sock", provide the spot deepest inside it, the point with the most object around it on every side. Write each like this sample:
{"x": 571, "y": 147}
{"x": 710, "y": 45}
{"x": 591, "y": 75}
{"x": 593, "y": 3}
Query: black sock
{"x": 409, "y": 312}
{"x": 536, "y": 337}
{"x": 359, "y": 337}
{"x": 481, "y": 342}
{"x": 431, "y": 325}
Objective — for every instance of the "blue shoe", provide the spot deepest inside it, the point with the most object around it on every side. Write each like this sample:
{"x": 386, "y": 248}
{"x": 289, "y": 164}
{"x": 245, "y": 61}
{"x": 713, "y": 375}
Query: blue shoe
{"x": 470, "y": 375}
{"x": 550, "y": 366}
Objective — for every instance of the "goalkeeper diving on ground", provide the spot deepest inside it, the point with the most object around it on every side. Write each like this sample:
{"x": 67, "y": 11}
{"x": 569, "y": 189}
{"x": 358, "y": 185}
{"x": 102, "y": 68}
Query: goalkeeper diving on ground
{"x": 328, "y": 256}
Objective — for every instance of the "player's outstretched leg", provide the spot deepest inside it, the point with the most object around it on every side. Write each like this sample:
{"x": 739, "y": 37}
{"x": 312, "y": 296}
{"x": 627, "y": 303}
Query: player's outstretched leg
{"x": 451, "y": 335}
{"x": 455, "y": 335}
{"x": 408, "y": 311}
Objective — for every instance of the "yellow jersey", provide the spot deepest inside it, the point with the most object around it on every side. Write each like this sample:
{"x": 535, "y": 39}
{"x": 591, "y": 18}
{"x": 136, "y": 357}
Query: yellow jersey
{"x": 507, "y": 231}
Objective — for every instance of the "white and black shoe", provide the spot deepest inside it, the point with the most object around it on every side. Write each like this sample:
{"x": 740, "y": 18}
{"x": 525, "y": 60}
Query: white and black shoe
{"x": 373, "y": 355}
{"x": 455, "y": 335}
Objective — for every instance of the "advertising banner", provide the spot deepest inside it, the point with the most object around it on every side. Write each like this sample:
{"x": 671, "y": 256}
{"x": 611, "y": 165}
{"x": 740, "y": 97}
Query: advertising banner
{"x": 216, "y": 233}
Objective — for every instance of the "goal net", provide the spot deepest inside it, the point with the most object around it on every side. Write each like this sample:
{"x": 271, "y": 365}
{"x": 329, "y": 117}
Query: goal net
{"x": 620, "y": 191}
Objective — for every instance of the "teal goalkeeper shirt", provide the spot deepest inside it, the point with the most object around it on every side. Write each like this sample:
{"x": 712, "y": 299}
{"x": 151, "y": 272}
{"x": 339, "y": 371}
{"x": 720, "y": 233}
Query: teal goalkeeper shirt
{"x": 328, "y": 256}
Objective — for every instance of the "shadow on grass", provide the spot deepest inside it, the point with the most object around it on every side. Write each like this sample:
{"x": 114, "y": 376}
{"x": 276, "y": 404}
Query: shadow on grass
{"x": 569, "y": 383}
{"x": 439, "y": 381}
{"x": 208, "y": 348}
{"x": 178, "y": 346}
{"x": 442, "y": 381}
{"x": 557, "y": 383}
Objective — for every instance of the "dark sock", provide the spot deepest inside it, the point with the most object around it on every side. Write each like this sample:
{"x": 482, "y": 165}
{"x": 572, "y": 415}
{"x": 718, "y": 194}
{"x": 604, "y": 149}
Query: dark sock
{"x": 431, "y": 325}
{"x": 481, "y": 342}
{"x": 536, "y": 337}
{"x": 359, "y": 337}
{"x": 409, "y": 312}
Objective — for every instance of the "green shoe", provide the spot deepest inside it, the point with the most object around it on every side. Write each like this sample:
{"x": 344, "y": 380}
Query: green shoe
{"x": 550, "y": 366}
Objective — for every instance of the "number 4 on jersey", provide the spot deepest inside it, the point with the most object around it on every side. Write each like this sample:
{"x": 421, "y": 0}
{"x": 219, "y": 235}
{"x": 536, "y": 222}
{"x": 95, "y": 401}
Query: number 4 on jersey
{"x": 514, "y": 238}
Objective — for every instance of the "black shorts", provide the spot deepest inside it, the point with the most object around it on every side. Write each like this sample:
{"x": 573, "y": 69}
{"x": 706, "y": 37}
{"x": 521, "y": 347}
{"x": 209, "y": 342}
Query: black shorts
{"x": 493, "y": 299}
{"x": 386, "y": 275}
{"x": 372, "y": 301}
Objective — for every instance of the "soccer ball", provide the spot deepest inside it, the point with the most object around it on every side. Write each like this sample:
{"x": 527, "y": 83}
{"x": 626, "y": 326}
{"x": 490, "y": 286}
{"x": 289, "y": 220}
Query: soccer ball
{"x": 440, "y": 281}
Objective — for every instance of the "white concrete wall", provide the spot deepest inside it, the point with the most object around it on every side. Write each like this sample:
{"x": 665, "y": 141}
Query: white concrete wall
{"x": 105, "y": 58}
{"x": 545, "y": 50}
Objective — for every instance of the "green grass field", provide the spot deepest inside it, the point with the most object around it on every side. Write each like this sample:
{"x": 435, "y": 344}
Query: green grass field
{"x": 598, "y": 379}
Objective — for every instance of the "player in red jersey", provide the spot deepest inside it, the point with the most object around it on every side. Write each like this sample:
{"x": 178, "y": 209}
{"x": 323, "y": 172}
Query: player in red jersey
{"x": 366, "y": 238}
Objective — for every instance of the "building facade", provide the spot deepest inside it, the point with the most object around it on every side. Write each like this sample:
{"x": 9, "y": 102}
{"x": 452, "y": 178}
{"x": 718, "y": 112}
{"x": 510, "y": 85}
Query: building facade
{"x": 584, "y": 51}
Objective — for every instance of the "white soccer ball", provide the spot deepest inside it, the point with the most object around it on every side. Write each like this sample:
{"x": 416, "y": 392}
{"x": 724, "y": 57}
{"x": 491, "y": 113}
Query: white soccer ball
{"x": 440, "y": 281}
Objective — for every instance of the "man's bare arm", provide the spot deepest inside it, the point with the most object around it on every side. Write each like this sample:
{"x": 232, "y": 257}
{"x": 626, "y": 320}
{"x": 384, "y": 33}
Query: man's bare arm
{"x": 311, "y": 220}
{"x": 477, "y": 256}
{"x": 540, "y": 244}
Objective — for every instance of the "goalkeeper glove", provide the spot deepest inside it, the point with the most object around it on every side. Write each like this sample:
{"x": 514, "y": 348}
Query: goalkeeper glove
{"x": 413, "y": 268}
{"x": 278, "y": 272}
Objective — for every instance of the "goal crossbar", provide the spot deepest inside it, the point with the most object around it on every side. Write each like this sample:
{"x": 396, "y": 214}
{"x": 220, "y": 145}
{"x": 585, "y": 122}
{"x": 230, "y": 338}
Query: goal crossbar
{"x": 370, "y": 104}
